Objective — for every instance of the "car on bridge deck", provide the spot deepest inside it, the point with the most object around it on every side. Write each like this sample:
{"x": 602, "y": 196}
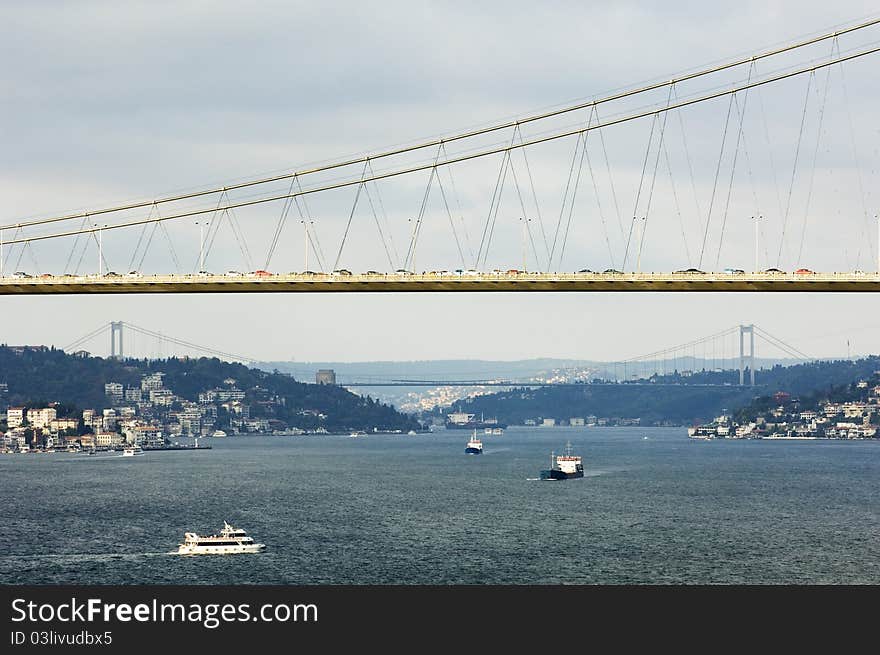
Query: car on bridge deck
{"x": 342, "y": 271}
{"x": 262, "y": 273}
{"x": 403, "y": 271}
{"x": 734, "y": 271}
{"x": 46, "y": 275}
{"x": 612, "y": 271}
{"x": 232, "y": 273}
{"x": 774, "y": 271}
{"x": 692, "y": 271}
{"x": 305, "y": 273}
{"x": 804, "y": 271}
{"x": 133, "y": 274}
{"x": 20, "y": 275}
{"x": 585, "y": 270}
{"x": 112, "y": 274}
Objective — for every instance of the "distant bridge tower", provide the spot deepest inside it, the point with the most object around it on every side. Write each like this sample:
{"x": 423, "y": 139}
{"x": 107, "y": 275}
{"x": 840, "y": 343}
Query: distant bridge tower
{"x": 743, "y": 329}
{"x": 116, "y": 339}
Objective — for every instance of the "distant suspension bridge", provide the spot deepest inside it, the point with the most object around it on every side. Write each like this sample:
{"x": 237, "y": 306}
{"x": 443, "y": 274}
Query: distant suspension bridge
{"x": 727, "y": 350}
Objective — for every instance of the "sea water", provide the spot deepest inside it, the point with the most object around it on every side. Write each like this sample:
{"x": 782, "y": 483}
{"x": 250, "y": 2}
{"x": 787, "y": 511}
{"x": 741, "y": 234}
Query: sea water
{"x": 398, "y": 509}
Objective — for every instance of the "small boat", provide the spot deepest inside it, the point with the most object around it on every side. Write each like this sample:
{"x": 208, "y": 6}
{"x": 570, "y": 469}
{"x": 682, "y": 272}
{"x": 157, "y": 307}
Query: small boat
{"x": 474, "y": 446}
{"x": 131, "y": 451}
{"x": 564, "y": 467}
{"x": 411, "y": 433}
{"x": 230, "y": 541}
{"x": 494, "y": 431}
{"x": 358, "y": 433}
{"x": 218, "y": 433}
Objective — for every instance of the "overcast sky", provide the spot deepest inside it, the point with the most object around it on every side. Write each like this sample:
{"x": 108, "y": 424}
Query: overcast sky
{"x": 108, "y": 101}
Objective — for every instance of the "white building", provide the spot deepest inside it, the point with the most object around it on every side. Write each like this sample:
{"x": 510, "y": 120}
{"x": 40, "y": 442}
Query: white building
{"x": 89, "y": 418}
{"x": 41, "y": 418}
{"x": 108, "y": 439}
{"x": 109, "y": 419}
{"x": 60, "y": 424}
{"x": 15, "y": 416}
{"x": 162, "y": 397}
{"x": 133, "y": 395}
{"x": 114, "y": 392}
{"x": 152, "y": 382}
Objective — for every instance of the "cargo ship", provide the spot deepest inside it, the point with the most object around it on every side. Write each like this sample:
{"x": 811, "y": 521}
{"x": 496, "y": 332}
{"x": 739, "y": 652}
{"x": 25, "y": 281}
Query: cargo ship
{"x": 465, "y": 421}
{"x": 564, "y": 467}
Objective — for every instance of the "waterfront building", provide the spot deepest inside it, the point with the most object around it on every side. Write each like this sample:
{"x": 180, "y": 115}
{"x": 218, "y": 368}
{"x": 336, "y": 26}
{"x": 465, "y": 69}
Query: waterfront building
{"x": 89, "y": 418}
{"x": 109, "y": 422}
{"x": 108, "y": 439}
{"x": 40, "y": 418}
{"x": 61, "y": 424}
{"x": 15, "y": 416}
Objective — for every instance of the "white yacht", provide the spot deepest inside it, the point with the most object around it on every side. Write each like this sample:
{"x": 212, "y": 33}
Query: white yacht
{"x": 131, "y": 451}
{"x": 229, "y": 541}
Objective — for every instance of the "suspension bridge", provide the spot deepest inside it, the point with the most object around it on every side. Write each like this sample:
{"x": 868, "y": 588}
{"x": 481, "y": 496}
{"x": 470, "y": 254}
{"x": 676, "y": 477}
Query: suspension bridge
{"x": 610, "y": 194}
{"x": 714, "y": 355}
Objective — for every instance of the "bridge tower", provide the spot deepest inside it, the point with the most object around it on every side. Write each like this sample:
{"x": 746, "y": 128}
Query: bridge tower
{"x": 116, "y": 339}
{"x": 750, "y": 329}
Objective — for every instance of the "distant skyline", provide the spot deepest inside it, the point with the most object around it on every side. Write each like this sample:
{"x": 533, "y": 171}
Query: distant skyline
{"x": 109, "y": 101}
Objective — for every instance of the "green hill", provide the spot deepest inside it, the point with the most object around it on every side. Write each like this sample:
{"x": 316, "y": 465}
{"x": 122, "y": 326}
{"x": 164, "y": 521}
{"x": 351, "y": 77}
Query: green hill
{"x": 37, "y": 375}
{"x": 683, "y": 402}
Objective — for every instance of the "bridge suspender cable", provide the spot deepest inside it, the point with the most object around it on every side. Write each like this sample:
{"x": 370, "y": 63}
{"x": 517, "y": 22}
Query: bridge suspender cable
{"x": 483, "y": 153}
{"x": 455, "y": 137}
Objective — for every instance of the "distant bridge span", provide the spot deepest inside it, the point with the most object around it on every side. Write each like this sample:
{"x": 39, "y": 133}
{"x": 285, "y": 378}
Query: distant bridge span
{"x": 443, "y": 282}
{"x": 502, "y": 383}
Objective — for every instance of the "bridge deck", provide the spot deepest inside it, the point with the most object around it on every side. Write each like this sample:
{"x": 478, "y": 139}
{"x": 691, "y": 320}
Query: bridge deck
{"x": 442, "y": 282}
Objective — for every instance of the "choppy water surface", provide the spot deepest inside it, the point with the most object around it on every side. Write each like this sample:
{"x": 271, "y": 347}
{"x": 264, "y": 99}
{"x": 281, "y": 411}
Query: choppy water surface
{"x": 417, "y": 510}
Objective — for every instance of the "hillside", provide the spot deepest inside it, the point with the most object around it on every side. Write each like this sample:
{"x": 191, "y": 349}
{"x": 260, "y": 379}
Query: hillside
{"x": 683, "y": 403}
{"x": 35, "y": 376}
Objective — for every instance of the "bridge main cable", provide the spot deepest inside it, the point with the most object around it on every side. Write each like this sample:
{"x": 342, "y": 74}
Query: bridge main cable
{"x": 444, "y": 140}
{"x": 394, "y": 173}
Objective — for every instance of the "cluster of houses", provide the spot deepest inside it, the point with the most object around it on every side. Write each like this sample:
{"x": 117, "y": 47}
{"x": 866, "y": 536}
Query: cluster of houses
{"x": 852, "y": 419}
{"x": 148, "y": 415}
